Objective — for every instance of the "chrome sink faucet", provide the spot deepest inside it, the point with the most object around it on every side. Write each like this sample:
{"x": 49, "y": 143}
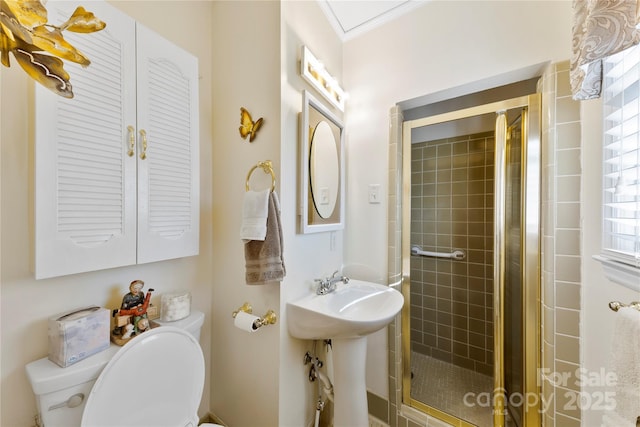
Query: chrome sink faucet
{"x": 328, "y": 285}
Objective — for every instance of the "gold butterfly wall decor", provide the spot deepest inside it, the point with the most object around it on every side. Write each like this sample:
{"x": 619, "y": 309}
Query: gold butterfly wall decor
{"x": 25, "y": 32}
{"x": 248, "y": 126}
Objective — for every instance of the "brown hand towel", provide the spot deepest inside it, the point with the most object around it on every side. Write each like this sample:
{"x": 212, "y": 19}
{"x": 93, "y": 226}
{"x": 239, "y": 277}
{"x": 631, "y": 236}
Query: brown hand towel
{"x": 263, "y": 259}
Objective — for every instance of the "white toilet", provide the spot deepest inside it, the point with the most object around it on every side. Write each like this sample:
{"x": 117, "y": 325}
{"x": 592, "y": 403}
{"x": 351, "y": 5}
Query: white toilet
{"x": 154, "y": 380}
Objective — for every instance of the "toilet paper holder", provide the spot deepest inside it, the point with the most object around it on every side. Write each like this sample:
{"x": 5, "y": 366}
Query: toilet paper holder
{"x": 269, "y": 318}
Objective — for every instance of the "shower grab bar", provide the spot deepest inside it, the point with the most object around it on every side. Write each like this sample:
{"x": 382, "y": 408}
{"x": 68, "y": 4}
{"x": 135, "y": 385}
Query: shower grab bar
{"x": 457, "y": 254}
{"x": 617, "y": 305}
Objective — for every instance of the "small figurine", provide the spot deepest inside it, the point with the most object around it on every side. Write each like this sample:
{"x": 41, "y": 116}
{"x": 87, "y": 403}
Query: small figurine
{"x": 135, "y": 303}
{"x": 131, "y": 318}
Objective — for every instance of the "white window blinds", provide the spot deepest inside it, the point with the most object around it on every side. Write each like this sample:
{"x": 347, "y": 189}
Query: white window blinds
{"x": 621, "y": 100}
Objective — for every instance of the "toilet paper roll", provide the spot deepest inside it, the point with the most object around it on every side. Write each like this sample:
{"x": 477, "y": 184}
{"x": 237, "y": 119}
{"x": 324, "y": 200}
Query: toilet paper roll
{"x": 245, "y": 321}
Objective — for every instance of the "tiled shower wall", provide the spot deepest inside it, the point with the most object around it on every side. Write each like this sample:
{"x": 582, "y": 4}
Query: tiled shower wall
{"x": 452, "y": 209}
{"x": 561, "y": 253}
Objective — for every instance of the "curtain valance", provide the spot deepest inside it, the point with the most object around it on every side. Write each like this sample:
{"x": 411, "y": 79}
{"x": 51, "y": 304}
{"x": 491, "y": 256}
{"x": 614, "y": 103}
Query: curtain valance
{"x": 600, "y": 28}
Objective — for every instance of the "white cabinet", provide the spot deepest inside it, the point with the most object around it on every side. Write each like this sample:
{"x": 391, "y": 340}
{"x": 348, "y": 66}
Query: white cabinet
{"x": 116, "y": 167}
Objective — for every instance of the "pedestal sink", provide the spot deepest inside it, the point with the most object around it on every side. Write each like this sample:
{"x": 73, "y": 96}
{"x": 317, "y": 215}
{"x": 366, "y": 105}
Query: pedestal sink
{"x": 346, "y": 316}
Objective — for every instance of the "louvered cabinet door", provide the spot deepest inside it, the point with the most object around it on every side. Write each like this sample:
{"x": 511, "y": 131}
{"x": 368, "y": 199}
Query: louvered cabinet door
{"x": 168, "y": 143}
{"x": 85, "y": 181}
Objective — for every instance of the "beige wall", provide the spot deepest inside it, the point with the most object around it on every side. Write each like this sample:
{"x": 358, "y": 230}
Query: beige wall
{"x": 310, "y": 256}
{"x": 259, "y": 379}
{"x": 26, "y": 303}
{"x": 246, "y": 74}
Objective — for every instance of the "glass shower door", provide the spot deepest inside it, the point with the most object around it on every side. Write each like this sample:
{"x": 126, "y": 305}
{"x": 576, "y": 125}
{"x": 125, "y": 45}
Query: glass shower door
{"x": 513, "y": 322}
{"x": 509, "y": 320}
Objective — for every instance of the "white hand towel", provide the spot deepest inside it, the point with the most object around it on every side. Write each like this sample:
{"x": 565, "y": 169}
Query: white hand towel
{"x": 625, "y": 362}
{"x": 263, "y": 259}
{"x": 255, "y": 209}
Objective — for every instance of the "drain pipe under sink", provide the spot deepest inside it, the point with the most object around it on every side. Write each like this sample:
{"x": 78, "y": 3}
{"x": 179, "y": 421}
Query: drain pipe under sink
{"x": 319, "y": 408}
{"x": 328, "y": 391}
{"x": 326, "y": 385}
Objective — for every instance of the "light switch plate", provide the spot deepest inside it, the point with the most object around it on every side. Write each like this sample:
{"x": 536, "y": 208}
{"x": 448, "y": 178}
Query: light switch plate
{"x": 374, "y": 193}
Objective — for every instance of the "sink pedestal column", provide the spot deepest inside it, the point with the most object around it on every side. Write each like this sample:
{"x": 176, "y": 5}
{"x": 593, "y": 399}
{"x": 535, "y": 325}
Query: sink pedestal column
{"x": 349, "y": 387}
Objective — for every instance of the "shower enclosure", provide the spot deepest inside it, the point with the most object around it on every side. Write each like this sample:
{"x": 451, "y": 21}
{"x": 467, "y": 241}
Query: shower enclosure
{"x": 470, "y": 264}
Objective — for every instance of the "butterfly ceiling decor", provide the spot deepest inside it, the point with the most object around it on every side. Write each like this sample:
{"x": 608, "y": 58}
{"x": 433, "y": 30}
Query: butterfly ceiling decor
{"x": 25, "y": 33}
{"x": 247, "y": 126}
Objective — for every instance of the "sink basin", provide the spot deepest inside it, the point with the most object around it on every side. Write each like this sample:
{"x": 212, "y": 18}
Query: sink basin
{"x": 353, "y": 310}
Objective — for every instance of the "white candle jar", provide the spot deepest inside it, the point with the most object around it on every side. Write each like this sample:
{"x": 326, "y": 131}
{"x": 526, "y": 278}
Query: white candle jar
{"x": 175, "y": 306}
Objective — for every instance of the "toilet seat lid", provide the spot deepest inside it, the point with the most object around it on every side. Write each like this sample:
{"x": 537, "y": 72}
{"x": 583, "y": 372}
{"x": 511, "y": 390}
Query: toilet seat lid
{"x": 156, "y": 379}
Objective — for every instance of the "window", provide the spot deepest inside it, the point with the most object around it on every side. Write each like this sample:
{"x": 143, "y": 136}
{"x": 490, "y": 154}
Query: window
{"x": 621, "y": 156}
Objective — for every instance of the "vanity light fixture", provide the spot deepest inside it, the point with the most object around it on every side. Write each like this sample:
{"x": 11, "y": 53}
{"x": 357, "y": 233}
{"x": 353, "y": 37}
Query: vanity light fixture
{"x": 313, "y": 71}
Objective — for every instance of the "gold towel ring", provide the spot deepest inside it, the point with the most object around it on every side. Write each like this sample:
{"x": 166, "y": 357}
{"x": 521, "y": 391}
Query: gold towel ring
{"x": 267, "y": 167}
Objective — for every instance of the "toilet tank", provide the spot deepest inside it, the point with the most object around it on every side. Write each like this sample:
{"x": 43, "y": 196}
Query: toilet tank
{"x": 61, "y": 393}
{"x": 55, "y": 386}
{"x": 192, "y": 323}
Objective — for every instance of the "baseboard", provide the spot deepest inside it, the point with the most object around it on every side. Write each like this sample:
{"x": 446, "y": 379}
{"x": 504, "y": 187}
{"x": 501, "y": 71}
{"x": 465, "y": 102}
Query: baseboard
{"x": 374, "y": 422}
{"x": 211, "y": 418}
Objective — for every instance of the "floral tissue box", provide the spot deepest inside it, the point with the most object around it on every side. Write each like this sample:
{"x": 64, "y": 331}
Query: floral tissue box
{"x": 78, "y": 334}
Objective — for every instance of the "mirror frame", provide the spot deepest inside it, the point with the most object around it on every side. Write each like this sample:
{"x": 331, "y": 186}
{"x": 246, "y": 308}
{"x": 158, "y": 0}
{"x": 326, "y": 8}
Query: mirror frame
{"x": 310, "y": 220}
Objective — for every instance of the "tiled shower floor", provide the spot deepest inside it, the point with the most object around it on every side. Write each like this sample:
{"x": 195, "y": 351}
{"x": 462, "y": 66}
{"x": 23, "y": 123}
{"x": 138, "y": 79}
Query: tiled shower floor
{"x": 443, "y": 386}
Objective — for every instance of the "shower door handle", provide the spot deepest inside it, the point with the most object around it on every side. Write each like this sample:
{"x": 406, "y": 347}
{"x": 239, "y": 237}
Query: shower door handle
{"x": 499, "y": 267}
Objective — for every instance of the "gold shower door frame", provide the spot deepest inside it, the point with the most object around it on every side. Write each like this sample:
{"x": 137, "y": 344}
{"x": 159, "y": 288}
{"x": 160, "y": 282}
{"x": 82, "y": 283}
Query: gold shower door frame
{"x": 529, "y": 254}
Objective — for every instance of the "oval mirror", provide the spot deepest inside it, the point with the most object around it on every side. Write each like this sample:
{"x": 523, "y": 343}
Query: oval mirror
{"x": 324, "y": 170}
